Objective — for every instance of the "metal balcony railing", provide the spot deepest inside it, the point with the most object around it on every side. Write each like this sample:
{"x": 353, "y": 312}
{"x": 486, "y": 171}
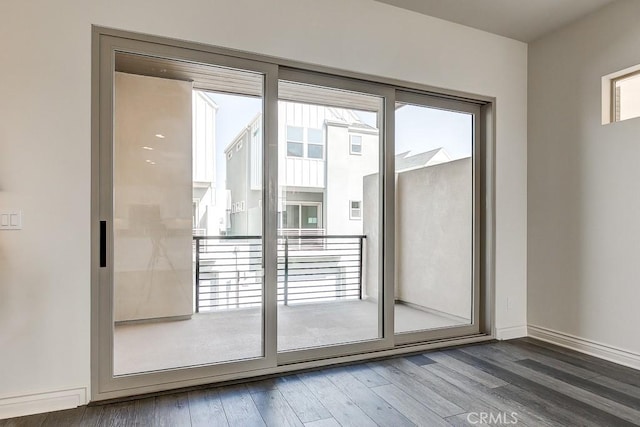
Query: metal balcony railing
{"x": 228, "y": 270}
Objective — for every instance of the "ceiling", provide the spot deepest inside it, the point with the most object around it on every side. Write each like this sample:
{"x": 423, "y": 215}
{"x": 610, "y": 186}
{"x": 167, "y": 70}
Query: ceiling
{"x": 524, "y": 20}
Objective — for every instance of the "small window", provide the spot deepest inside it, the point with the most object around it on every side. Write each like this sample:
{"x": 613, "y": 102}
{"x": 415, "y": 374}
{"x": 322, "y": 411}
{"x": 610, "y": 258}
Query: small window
{"x": 355, "y": 210}
{"x": 315, "y": 144}
{"x": 356, "y": 144}
{"x": 625, "y": 97}
{"x": 314, "y": 136}
{"x": 295, "y": 144}
{"x": 239, "y": 146}
{"x": 229, "y": 155}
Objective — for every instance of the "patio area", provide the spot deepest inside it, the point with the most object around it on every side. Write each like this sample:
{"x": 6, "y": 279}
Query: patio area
{"x": 228, "y": 335}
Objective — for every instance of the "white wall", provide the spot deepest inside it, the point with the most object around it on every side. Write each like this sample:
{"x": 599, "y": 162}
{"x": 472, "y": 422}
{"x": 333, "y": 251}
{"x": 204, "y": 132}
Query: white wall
{"x": 152, "y": 221}
{"x": 434, "y": 237}
{"x": 45, "y": 141}
{"x": 584, "y": 184}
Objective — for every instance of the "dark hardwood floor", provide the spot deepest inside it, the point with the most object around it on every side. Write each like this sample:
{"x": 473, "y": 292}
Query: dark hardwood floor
{"x": 521, "y": 382}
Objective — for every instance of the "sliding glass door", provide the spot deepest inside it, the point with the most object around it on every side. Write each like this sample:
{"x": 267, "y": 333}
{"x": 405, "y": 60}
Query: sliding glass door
{"x": 330, "y": 155}
{"x": 436, "y": 229}
{"x": 184, "y": 252}
{"x": 252, "y": 217}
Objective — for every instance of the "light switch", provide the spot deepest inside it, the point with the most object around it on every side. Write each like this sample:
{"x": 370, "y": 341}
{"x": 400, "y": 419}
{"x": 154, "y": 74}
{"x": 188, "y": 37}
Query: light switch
{"x": 10, "y": 220}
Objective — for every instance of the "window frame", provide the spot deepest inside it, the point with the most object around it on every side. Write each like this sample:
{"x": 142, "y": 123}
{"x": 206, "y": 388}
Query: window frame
{"x": 305, "y": 142}
{"x": 292, "y": 141}
{"x": 615, "y": 96}
{"x": 320, "y": 144}
{"x": 352, "y": 216}
{"x": 351, "y": 144}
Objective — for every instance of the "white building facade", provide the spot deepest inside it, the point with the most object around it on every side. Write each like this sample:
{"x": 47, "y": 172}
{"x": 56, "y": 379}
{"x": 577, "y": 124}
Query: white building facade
{"x": 324, "y": 153}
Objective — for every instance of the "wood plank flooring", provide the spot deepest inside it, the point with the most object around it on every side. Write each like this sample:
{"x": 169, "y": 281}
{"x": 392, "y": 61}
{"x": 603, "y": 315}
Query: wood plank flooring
{"x": 521, "y": 382}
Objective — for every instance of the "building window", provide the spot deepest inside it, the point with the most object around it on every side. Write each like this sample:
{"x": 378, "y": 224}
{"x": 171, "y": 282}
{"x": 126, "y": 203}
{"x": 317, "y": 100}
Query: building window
{"x": 625, "y": 99}
{"x": 356, "y": 144}
{"x": 355, "y": 209}
{"x": 311, "y": 147}
{"x": 295, "y": 141}
{"x": 315, "y": 144}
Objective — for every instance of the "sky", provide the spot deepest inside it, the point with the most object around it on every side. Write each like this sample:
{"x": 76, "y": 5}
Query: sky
{"x": 234, "y": 114}
{"x": 418, "y": 129}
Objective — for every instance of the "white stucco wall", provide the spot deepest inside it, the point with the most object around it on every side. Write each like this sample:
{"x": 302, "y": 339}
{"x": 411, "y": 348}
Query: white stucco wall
{"x": 45, "y": 144}
{"x": 584, "y": 181}
{"x": 434, "y": 237}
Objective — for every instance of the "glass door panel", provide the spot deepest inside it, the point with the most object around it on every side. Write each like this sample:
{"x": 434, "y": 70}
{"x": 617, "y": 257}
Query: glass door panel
{"x": 329, "y": 292}
{"x": 310, "y": 217}
{"x": 187, "y": 192}
{"x": 435, "y": 217}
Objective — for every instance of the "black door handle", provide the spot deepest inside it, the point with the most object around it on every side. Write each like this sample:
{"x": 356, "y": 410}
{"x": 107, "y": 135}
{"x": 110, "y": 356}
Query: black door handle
{"x": 103, "y": 243}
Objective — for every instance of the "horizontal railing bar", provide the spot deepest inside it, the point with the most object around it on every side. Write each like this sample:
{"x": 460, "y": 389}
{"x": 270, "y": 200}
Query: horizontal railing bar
{"x": 233, "y": 254}
{"x": 219, "y": 285}
{"x": 316, "y": 256}
{"x": 352, "y": 242}
{"x": 256, "y": 300}
{"x": 338, "y": 288}
{"x": 232, "y": 306}
{"x": 231, "y": 299}
{"x": 322, "y": 275}
{"x": 302, "y": 289}
{"x": 234, "y": 293}
{"x": 346, "y": 288}
{"x": 230, "y": 253}
{"x": 244, "y": 264}
{"x": 303, "y": 248}
{"x": 231, "y": 294}
{"x": 337, "y": 293}
{"x": 328, "y": 270}
{"x": 321, "y": 282}
{"x": 324, "y": 267}
{"x": 228, "y": 261}
{"x": 280, "y": 236}
{"x": 327, "y": 236}
{"x": 318, "y": 262}
{"x": 333, "y": 274}
{"x": 227, "y": 237}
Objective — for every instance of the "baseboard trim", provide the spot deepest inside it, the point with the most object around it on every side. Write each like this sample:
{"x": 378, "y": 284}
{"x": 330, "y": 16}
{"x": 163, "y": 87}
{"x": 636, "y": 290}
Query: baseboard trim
{"x": 511, "y": 333}
{"x": 592, "y": 348}
{"x": 42, "y": 402}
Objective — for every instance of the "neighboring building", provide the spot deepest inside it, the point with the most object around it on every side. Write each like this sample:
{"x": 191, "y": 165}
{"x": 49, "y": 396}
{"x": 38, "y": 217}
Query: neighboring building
{"x": 244, "y": 181}
{"x": 324, "y": 153}
{"x": 209, "y": 201}
{"x": 407, "y": 161}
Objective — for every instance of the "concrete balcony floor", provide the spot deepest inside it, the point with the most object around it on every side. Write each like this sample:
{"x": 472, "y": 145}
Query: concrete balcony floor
{"x": 222, "y": 336}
